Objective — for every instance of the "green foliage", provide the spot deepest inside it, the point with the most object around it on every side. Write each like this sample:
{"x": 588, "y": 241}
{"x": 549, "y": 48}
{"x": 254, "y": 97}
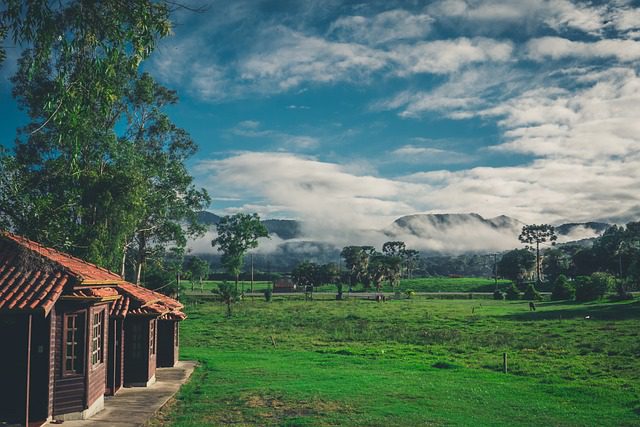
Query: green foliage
{"x": 197, "y": 269}
{"x": 236, "y": 235}
{"x": 228, "y": 294}
{"x": 515, "y": 264}
{"x": 562, "y": 289}
{"x": 534, "y": 235}
{"x": 589, "y": 288}
{"x": 512, "y": 293}
{"x": 622, "y": 291}
{"x": 76, "y": 181}
{"x": 268, "y": 293}
{"x": 531, "y": 293}
{"x": 356, "y": 259}
{"x": 555, "y": 263}
{"x": 498, "y": 295}
{"x": 307, "y": 274}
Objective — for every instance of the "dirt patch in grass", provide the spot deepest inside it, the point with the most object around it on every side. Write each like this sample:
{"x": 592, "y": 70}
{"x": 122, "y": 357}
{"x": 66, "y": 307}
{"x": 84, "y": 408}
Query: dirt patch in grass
{"x": 162, "y": 418}
{"x": 277, "y": 407}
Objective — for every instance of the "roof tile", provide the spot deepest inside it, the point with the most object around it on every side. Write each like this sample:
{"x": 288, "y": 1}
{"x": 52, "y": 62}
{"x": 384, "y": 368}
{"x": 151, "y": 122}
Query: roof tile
{"x": 33, "y": 277}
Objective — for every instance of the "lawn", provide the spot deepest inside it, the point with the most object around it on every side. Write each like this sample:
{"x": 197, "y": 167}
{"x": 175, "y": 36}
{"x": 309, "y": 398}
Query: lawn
{"x": 411, "y": 362}
{"x": 209, "y": 285}
{"x": 423, "y": 284}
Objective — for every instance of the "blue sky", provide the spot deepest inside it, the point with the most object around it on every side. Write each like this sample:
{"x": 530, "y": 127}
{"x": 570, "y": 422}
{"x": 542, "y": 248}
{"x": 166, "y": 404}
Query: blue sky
{"x": 349, "y": 115}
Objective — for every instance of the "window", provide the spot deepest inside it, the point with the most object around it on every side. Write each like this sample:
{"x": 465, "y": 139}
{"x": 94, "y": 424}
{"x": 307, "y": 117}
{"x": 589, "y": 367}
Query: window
{"x": 152, "y": 337}
{"x": 97, "y": 338}
{"x": 73, "y": 331}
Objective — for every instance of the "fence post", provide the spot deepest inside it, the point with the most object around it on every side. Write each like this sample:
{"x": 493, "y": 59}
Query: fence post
{"x": 504, "y": 363}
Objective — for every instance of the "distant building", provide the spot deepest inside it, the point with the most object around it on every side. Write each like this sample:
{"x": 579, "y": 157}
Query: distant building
{"x": 284, "y": 284}
{"x": 73, "y": 332}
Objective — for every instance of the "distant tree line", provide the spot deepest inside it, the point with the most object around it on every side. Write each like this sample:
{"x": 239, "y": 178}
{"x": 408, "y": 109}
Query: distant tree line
{"x": 610, "y": 264}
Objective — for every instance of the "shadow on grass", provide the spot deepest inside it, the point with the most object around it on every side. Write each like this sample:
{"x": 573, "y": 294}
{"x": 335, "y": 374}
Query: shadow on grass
{"x": 595, "y": 311}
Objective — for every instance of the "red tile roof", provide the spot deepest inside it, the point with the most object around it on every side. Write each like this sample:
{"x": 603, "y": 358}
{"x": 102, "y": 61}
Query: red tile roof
{"x": 173, "y": 315}
{"x": 33, "y": 277}
{"x": 120, "y": 307}
{"x": 147, "y": 296}
{"x": 25, "y": 288}
{"x": 81, "y": 270}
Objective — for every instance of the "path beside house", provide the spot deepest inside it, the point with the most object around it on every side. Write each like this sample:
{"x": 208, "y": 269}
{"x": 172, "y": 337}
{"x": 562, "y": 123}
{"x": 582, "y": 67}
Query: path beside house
{"x": 134, "y": 406}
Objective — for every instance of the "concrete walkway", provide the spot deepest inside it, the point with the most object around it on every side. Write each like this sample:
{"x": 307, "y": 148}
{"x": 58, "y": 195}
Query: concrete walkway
{"x": 134, "y": 406}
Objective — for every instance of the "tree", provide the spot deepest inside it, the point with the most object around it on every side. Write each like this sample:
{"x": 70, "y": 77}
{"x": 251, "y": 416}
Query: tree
{"x": 589, "y": 288}
{"x": 236, "y": 235}
{"x": 395, "y": 248}
{"x": 74, "y": 181}
{"x": 228, "y": 294}
{"x": 395, "y": 256}
{"x": 377, "y": 270}
{"x": 197, "y": 268}
{"x": 515, "y": 264}
{"x": 512, "y": 293}
{"x": 537, "y": 234}
{"x": 105, "y": 26}
{"x": 555, "y": 263}
{"x": 357, "y": 262}
{"x": 407, "y": 258}
{"x": 562, "y": 289}
{"x": 531, "y": 293}
{"x": 168, "y": 201}
{"x": 410, "y": 257}
{"x": 329, "y": 273}
{"x": 306, "y": 274}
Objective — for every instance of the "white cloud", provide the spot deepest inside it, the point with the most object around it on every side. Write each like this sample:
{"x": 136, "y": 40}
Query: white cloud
{"x": 389, "y": 26}
{"x": 544, "y": 48}
{"x": 627, "y": 20}
{"x": 593, "y": 123}
{"x": 429, "y": 155}
{"x": 335, "y": 204}
{"x": 286, "y": 58}
{"x": 558, "y": 15}
{"x": 252, "y": 129}
{"x": 446, "y": 56}
{"x": 461, "y": 95}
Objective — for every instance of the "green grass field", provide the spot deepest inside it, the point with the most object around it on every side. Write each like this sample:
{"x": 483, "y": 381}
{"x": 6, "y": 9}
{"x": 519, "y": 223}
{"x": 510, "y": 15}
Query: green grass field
{"x": 423, "y": 284}
{"x": 209, "y": 285}
{"x": 411, "y": 362}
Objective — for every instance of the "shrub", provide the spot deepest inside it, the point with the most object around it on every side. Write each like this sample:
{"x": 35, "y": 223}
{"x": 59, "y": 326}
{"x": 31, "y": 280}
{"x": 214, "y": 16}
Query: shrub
{"x": 512, "y": 293}
{"x": 531, "y": 293}
{"x": 498, "y": 295}
{"x": 268, "y": 293}
{"x": 410, "y": 293}
{"x": 589, "y": 288}
{"x": 621, "y": 291}
{"x": 562, "y": 289}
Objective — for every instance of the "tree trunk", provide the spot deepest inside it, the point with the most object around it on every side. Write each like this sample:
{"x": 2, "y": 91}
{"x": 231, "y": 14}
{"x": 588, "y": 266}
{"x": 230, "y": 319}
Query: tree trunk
{"x": 142, "y": 247}
{"x": 124, "y": 260}
{"x": 538, "y": 264}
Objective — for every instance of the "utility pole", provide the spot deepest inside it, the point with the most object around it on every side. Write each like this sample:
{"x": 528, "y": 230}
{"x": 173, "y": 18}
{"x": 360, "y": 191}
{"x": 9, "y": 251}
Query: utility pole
{"x": 178, "y": 286}
{"x": 251, "y": 273}
{"x": 495, "y": 269}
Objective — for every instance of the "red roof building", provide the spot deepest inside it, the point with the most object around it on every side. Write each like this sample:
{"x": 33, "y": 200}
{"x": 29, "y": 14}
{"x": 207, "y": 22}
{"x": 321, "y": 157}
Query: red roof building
{"x": 75, "y": 332}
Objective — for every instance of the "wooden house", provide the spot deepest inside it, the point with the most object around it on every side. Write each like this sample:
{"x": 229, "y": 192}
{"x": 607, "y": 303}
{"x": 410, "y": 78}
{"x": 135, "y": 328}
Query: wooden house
{"x": 74, "y": 332}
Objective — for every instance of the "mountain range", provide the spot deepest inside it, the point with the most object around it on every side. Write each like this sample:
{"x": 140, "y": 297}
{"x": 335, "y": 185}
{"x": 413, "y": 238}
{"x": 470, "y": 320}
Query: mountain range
{"x": 432, "y": 234}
